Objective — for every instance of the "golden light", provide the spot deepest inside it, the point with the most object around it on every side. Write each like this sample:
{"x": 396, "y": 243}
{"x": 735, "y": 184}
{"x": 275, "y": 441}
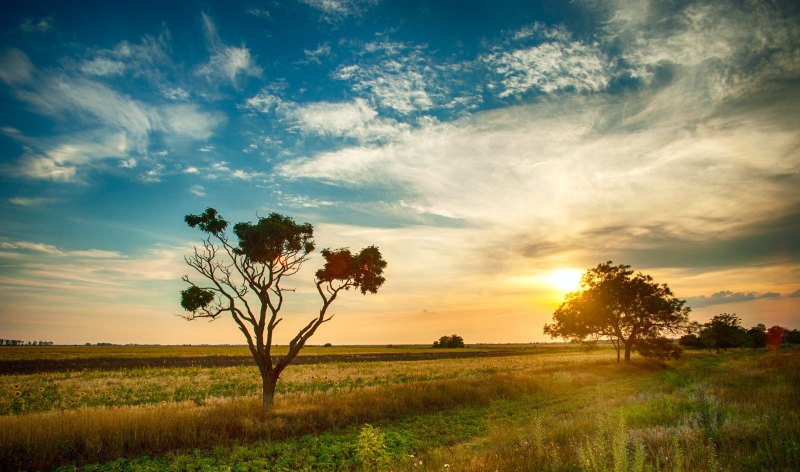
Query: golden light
{"x": 566, "y": 280}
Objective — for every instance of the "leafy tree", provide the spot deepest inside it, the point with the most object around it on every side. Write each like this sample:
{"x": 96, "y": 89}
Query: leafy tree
{"x": 792, "y": 336}
{"x": 724, "y": 331}
{"x": 245, "y": 281}
{"x": 758, "y": 335}
{"x": 449, "y": 341}
{"x": 616, "y": 304}
{"x": 775, "y": 337}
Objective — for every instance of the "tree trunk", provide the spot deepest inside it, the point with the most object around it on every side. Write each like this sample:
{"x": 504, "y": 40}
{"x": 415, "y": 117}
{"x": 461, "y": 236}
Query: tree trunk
{"x": 268, "y": 382}
{"x": 628, "y": 346}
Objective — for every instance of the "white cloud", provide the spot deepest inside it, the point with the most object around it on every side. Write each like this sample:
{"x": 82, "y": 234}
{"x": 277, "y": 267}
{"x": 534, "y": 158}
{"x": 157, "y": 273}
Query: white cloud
{"x": 222, "y": 169}
{"x": 226, "y": 62}
{"x": 120, "y": 127}
{"x": 55, "y": 251}
{"x": 401, "y": 78}
{"x": 559, "y": 63}
{"x": 60, "y": 160}
{"x": 356, "y": 119}
{"x": 30, "y": 201}
{"x": 15, "y": 67}
{"x": 259, "y": 12}
{"x": 42, "y": 26}
{"x": 317, "y": 54}
{"x": 188, "y": 120}
{"x": 551, "y": 172}
{"x": 197, "y": 190}
{"x": 175, "y": 93}
{"x": 102, "y": 67}
{"x": 334, "y": 10}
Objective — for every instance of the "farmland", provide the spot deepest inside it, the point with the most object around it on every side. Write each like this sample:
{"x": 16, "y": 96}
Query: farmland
{"x": 506, "y": 407}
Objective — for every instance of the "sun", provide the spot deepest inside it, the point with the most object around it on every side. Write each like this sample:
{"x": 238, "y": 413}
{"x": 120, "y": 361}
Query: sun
{"x": 566, "y": 280}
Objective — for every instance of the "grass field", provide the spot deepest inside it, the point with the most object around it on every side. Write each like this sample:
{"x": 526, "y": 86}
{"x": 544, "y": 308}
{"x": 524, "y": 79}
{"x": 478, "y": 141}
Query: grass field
{"x": 539, "y": 407}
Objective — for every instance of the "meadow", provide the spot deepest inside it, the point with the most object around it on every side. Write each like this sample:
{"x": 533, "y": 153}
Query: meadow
{"x": 524, "y": 407}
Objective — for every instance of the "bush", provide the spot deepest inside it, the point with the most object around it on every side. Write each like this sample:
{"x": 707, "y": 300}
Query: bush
{"x": 449, "y": 341}
{"x": 658, "y": 348}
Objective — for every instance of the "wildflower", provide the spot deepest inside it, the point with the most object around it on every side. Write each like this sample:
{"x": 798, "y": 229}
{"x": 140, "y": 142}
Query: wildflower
{"x": 17, "y": 393}
{"x": 41, "y": 389}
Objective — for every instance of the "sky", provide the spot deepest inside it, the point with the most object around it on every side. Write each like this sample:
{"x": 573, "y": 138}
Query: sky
{"x": 492, "y": 150}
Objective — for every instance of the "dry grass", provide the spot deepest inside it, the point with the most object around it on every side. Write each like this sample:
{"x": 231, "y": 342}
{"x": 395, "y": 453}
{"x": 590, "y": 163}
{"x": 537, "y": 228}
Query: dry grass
{"x": 71, "y": 390}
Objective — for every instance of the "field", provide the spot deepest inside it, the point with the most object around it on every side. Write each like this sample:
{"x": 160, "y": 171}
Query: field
{"x": 507, "y": 407}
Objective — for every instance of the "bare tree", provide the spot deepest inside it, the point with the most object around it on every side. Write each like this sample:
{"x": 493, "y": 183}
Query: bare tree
{"x": 245, "y": 280}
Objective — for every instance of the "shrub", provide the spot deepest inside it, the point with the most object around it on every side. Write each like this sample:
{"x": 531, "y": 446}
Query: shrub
{"x": 449, "y": 341}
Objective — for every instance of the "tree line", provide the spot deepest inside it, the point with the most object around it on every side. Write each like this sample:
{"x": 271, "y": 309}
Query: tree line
{"x": 19, "y": 342}
{"x": 725, "y": 331}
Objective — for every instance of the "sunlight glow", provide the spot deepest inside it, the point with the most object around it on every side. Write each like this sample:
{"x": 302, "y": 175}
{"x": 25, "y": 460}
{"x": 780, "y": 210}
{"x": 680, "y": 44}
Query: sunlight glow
{"x": 567, "y": 280}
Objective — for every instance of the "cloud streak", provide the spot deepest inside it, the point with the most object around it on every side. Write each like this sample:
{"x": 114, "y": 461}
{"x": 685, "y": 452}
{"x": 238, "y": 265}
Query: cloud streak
{"x": 726, "y": 296}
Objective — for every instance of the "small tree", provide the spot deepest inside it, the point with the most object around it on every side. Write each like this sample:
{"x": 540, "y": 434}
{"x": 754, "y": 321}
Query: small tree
{"x": 244, "y": 281}
{"x": 758, "y": 336}
{"x": 724, "y": 331}
{"x": 616, "y": 304}
{"x": 449, "y": 341}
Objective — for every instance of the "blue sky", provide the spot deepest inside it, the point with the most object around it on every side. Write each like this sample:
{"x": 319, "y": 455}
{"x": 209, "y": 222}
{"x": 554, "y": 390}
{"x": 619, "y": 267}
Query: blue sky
{"x": 483, "y": 146}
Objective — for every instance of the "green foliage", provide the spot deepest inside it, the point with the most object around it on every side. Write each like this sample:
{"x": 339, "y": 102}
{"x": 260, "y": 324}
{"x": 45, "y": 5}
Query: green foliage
{"x": 453, "y": 341}
{"x": 209, "y": 221}
{"x": 758, "y": 336}
{"x": 724, "y": 331}
{"x": 195, "y": 298}
{"x": 371, "y": 450}
{"x": 273, "y": 238}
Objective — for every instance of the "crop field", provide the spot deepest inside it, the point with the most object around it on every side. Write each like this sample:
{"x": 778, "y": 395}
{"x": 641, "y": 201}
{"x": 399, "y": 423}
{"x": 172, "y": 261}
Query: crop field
{"x": 499, "y": 407}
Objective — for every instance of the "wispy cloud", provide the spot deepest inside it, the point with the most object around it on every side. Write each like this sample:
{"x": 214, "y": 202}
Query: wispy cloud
{"x": 226, "y": 62}
{"x": 121, "y": 127}
{"x": 556, "y": 63}
{"x": 336, "y": 10}
{"x": 795, "y": 294}
{"x": 102, "y": 67}
{"x": 42, "y": 25}
{"x": 15, "y": 67}
{"x": 319, "y": 53}
{"x": 55, "y": 251}
{"x": 355, "y": 120}
{"x": 197, "y": 190}
{"x": 396, "y": 76}
{"x": 30, "y": 201}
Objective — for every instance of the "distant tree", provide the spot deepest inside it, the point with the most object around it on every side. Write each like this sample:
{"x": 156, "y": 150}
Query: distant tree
{"x": 775, "y": 337}
{"x": 616, "y": 304}
{"x": 449, "y": 341}
{"x": 244, "y": 280}
{"x": 758, "y": 336}
{"x": 724, "y": 331}
{"x": 792, "y": 336}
